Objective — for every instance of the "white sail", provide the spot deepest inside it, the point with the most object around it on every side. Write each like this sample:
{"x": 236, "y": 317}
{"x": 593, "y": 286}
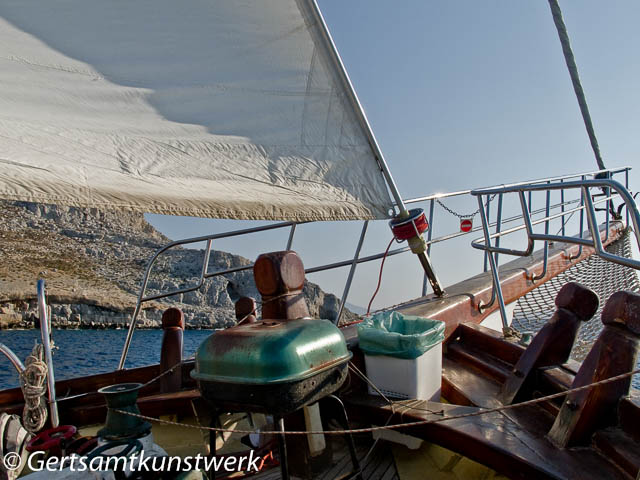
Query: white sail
{"x": 215, "y": 108}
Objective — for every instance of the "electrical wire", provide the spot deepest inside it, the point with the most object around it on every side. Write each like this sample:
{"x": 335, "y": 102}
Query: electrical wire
{"x": 379, "y": 276}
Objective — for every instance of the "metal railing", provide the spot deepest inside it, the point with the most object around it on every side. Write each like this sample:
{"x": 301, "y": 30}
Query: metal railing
{"x": 45, "y": 334}
{"x": 356, "y": 260}
{"x": 587, "y": 204}
{"x": 12, "y": 357}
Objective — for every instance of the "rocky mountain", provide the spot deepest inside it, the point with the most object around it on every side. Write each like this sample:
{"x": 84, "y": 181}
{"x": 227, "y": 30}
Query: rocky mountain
{"x": 93, "y": 262}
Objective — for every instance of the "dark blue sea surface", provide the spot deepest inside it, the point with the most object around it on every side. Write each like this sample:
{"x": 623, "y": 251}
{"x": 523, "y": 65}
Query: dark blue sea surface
{"x": 86, "y": 352}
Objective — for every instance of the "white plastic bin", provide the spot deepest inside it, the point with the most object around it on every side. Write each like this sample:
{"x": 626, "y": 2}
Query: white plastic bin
{"x": 419, "y": 378}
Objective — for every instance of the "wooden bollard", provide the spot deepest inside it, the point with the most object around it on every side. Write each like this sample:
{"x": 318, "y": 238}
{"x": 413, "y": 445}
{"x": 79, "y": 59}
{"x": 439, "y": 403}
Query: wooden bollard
{"x": 553, "y": 343}
{"x": 279, "y": 277}
{"x": 615, "y": 352}
{"x": 246, "y": 310}
{"x": 171, "y": 353}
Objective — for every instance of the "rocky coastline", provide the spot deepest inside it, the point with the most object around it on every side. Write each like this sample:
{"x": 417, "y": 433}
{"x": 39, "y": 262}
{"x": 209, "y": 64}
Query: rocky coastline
{"x": 93, "y": 261}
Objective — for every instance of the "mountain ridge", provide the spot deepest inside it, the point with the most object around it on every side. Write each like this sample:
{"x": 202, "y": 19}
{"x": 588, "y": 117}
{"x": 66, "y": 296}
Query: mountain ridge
{"x": 93, "y": 260}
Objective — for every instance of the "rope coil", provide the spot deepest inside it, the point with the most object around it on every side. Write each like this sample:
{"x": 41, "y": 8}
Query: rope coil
{"x": 33, "y": 385}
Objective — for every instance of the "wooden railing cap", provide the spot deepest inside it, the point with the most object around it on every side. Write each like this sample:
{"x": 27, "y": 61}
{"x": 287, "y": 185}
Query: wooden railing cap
{"x": 173, "y": 317}
{"x": 278, "y": 272}
{"x": 577, "y": 298}
{"x": 623, "y": 308}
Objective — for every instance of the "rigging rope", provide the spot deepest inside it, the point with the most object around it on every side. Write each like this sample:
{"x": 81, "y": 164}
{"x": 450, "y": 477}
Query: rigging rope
{"x": 575, "y": 79}
{"x": 33, "y": 386}
{"x": 480, "y": 411}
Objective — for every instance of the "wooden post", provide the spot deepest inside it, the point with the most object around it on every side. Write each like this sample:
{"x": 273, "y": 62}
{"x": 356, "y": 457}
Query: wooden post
{"x": 246, "y": 310}
{"x": 280, "y": 278}
{"x": 171, "y": 353}
{"x": 553, "y": 343}
{"x": 615, "y": 352}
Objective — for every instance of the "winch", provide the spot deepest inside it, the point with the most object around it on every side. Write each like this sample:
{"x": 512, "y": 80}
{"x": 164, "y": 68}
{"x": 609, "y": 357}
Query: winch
{"x": 120, "y": 426}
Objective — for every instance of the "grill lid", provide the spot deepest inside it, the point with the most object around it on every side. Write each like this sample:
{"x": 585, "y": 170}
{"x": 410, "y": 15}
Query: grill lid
{"x": 270, "y": 351}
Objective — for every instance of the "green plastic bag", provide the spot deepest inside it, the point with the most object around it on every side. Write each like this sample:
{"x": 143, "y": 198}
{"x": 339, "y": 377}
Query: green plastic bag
{"x": 398, "y": 335}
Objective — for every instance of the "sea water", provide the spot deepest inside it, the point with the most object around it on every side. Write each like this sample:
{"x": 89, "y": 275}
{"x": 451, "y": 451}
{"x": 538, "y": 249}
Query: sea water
{"x": 86, "y": 352}
{"x": 79, "y": 353}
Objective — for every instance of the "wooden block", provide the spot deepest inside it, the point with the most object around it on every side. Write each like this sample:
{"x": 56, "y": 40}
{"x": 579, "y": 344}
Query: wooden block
{"x": 246, "y": 310}
{"x": 171, "y": 350}
{"x": 615, "y": 352}
{"x": 553, "y": 343}
{"x": 280, "y": 278}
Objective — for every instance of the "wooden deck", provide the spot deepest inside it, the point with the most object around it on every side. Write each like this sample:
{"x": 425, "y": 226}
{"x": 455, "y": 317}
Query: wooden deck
{"x": 379, "y": 465}
{"x": 512, "y": 442}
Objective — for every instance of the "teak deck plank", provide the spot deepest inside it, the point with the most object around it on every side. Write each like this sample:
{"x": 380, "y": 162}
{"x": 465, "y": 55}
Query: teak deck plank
{"x": 493, "y": 440}
{"x": 380, "y": 466}
{"x": 391, "y": 473}
{"x": 373, "y": 464}
{"x": 629, "y": 413}
{"x": 484, "y": 392}
{"x": 487, "y": 340}
{"x": 620, "y": 448}
{"x": 478, "y": 360}
{"x": 340, "y": 466}
{"x": 466, "y": 387}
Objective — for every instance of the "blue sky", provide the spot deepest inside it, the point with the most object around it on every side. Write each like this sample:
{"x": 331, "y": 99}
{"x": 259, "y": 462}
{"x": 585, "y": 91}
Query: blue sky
{"x": 458, "y": 88}
{"x": 464, "y": 94}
